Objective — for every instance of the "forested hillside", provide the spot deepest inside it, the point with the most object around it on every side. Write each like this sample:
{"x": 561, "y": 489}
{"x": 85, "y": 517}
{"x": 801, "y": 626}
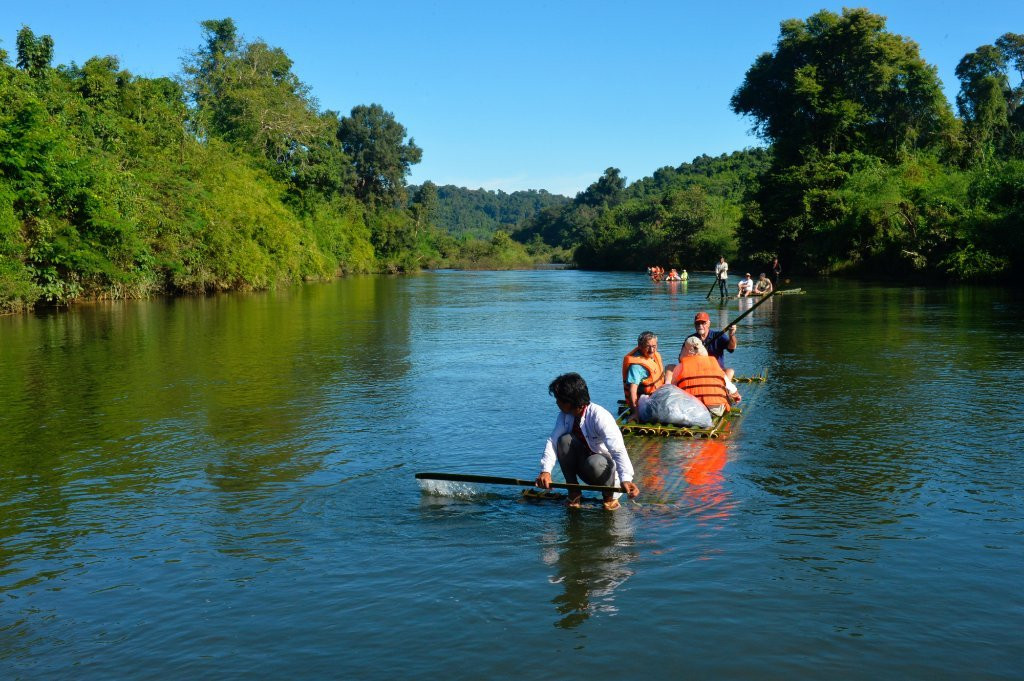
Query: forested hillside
{"x": 683, "y": 216}
{"x": 867, "y": 168}
{"x": 479, "y": 213}
{"x": 229, "y": 176}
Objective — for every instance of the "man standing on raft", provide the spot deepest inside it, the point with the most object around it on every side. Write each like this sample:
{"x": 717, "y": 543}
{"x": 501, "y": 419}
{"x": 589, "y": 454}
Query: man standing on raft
{"x": 722, "y": 275}
{"x": 587, "y": 444}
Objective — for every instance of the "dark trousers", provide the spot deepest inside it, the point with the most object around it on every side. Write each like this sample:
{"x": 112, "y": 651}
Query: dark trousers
{"x": 723, "y": 287}
{"x": 579, "y": 463}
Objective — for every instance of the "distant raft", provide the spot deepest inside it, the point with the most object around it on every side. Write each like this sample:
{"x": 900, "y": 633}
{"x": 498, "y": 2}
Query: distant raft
{"x": 785, "y": 292}
{"x": 720, "y": 425}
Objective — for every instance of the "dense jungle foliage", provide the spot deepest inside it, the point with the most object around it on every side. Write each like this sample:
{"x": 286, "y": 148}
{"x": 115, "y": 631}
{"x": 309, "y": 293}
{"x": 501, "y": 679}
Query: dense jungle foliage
{"x": 479, "y": 213}
{"x": 678, "y": 215}
{"x": 867, "y": 168}
{"x": 228, "y": 177}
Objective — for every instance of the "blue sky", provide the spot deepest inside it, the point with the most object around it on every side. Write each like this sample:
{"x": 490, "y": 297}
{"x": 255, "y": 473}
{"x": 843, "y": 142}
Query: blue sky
{"x": 523, "y": 95}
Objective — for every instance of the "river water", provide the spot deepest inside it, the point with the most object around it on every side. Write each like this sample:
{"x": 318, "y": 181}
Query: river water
{"x": 223, "y": 487}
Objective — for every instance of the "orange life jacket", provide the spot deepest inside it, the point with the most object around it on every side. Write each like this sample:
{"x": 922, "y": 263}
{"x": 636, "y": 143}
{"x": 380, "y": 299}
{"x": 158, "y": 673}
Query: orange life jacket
{"x": 655, "y": 372}
{"x": 702, "y": 377}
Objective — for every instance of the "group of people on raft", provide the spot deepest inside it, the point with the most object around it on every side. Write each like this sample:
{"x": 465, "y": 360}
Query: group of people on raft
{"x": 657, "y": 273}
{"x": 700, "y": 371}
{"x": 586, "y": 441}
{"x": 748, "y": 287}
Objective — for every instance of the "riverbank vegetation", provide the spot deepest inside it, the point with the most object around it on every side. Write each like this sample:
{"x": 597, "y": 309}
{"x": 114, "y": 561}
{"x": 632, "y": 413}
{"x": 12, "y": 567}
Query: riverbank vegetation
{"x": 231, "y": 176}
{"x": 867, "y": 168}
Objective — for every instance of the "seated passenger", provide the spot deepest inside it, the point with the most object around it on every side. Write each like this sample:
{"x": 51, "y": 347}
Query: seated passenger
{"x": 746, "y": 286}
{"x": 702, "y": 377}
{"x": 642, "y": 371}
{"x": 673, "y": 275}
{"x": 763, "y": 286}
{"x": 684, "y": 276}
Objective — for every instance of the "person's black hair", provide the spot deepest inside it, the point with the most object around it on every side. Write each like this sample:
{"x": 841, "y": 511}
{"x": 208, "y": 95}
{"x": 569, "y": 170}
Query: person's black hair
{"x": 570, "y": 388}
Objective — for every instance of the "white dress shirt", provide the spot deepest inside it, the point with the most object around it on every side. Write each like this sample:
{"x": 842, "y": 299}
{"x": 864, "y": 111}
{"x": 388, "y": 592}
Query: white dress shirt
{"x": 602, "y": 435}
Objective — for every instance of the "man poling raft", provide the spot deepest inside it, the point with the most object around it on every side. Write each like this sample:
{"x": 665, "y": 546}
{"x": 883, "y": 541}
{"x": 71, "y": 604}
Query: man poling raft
{"x": 661, "y": 413}
{"x": 587, "y": 444}
{"x": 643, "y": 372}
{"x": 719, "y": 342}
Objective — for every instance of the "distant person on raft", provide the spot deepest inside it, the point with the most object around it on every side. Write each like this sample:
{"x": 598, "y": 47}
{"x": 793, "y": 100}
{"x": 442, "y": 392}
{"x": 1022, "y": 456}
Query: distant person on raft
{"x": 763, "y": 286}
{"x": 722, "y": 275}
{"x": 745, "y": 287}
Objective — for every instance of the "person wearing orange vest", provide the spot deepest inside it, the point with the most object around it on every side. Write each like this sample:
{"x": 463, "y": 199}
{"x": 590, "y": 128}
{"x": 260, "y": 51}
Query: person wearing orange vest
{"x": 642, "y": 371}
{"x": 699, "y": 374}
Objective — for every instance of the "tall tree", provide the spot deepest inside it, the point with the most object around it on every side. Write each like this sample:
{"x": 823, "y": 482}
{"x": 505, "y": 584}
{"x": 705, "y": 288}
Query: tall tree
{"x": 246, "y": 93}
{"x": 606, "y": 191}
{"x": 842, "y": 83}
{"x": 839, "y": 96}
{"x": 375, "y": 142}
{"x": 34, "y": 54}
{"x": 425, "y": 204}
{"x": 989, "y": 101}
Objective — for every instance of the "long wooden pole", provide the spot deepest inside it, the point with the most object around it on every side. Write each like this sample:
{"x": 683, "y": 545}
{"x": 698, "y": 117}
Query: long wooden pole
{"x": 752, "y": 308}
{"x": 491, "y": 480}
{"x": 713, "y": 284}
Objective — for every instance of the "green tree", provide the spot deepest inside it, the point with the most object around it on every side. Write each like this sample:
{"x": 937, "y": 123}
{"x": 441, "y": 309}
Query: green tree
{"x": 375, "y": 142}
{"x": 606, "y": 191}
{"x": 34, "y": 54}
{"x": 425, "y": 204}
{"x": 247, "y": 94}
{"x": 481, "y": 212}
{"x": 322, "y": 170}
{"x": 838, "y": 95}
{"x": 989, "y": 102}
{"x": 842, "y": 83}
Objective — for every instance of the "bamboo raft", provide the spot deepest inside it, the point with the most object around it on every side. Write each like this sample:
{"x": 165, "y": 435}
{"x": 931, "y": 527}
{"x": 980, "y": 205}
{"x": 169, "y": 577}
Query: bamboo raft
{"x": 720, "y": 425}
{"x": 784, "y": 292}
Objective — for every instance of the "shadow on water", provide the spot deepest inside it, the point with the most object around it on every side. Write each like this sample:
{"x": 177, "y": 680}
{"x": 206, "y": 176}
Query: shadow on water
{"x": 593, "y": 555}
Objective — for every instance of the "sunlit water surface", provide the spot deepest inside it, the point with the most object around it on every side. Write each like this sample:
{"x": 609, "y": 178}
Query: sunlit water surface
{"x": 223, "y": 487}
